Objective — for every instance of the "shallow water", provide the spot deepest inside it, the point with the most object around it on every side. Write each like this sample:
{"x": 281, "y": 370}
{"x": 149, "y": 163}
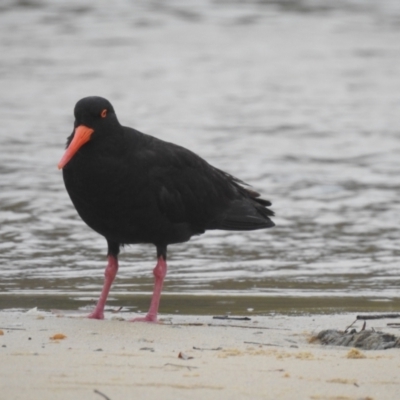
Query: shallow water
{"x": 297, "y": 98}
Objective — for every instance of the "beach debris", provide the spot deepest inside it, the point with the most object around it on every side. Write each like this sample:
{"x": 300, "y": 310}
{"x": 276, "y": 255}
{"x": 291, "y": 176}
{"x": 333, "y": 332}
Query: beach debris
{"x": 355, "y": 354}
{"x": 184, "y": 356}
{"x": 144, "y": 340}
{"x": 354, "y": 330}
{"x": 301, "y": 355}
{"x": 377, "y": 316}
{"x": 12, "y": 329}
{"x": 365, "y": 339}
{"x": 101, "y": 394}
{"x": 189, "y": 367}
{"x": 227, "y": 317}
{"x": 1, "y": 332}
{"x": 58, "y": 336}
{"x": 343, "y": 381}
{"x": 210, "y": 349}
{"x": 247, "y": 327}
{"x": 147, "y": 349}
{"x": 264, "y": 344}
{"x": 117, "y": 318}
{"x": 117, "y": 310}
{"x": 32, "y": 310}
{"x": 230, "y": 353}
{"x": 219, "y": 325}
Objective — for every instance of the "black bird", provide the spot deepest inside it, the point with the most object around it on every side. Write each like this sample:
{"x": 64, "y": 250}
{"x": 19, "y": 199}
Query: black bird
{"x": 133, "y": 188}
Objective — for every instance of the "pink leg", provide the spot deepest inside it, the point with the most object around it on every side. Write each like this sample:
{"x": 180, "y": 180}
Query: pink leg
{"x": 109, "y": 276}
{"x": 159, "y": 274}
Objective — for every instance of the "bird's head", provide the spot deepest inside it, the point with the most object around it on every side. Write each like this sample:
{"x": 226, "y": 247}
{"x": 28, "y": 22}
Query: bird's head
{"x": 92, "y": 114}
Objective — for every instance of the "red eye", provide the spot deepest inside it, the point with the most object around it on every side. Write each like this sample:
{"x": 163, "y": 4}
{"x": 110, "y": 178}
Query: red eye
{"x": 103, "y": 113}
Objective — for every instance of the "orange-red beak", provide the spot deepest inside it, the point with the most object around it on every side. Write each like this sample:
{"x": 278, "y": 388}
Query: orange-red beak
{"x": 82, "y": 135}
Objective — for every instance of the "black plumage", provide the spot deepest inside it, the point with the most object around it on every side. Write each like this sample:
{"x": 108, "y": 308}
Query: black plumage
{"x": 133, "y": 188}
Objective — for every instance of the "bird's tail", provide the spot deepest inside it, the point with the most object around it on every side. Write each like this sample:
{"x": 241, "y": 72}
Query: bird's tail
{"x": 247, "y": 215}
{"x": 248, "y": 211}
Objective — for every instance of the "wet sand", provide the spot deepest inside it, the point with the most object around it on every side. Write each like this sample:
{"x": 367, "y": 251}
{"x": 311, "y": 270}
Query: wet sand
{"x": 188, "y": 356}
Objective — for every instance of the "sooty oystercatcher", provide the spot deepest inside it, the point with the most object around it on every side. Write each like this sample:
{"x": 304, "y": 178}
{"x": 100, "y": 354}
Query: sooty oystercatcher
{"x": 133, "y": 188}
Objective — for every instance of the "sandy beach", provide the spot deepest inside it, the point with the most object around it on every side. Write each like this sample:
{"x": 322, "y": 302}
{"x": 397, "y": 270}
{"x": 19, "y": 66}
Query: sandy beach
{"x": 66, "y": 356}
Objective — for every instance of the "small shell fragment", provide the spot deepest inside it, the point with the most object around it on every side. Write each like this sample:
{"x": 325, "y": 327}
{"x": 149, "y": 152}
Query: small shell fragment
{"x": 58, "y": 336}
{"x": 184, "y": 356}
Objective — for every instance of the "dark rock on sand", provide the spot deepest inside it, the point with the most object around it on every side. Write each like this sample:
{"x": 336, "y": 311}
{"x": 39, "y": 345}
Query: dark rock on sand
{"x": 367, "y": 339}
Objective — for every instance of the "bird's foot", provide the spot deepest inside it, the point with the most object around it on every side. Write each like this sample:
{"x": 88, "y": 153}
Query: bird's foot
{"x": 147, "y": 318}
{"x": 96, "y": 315}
